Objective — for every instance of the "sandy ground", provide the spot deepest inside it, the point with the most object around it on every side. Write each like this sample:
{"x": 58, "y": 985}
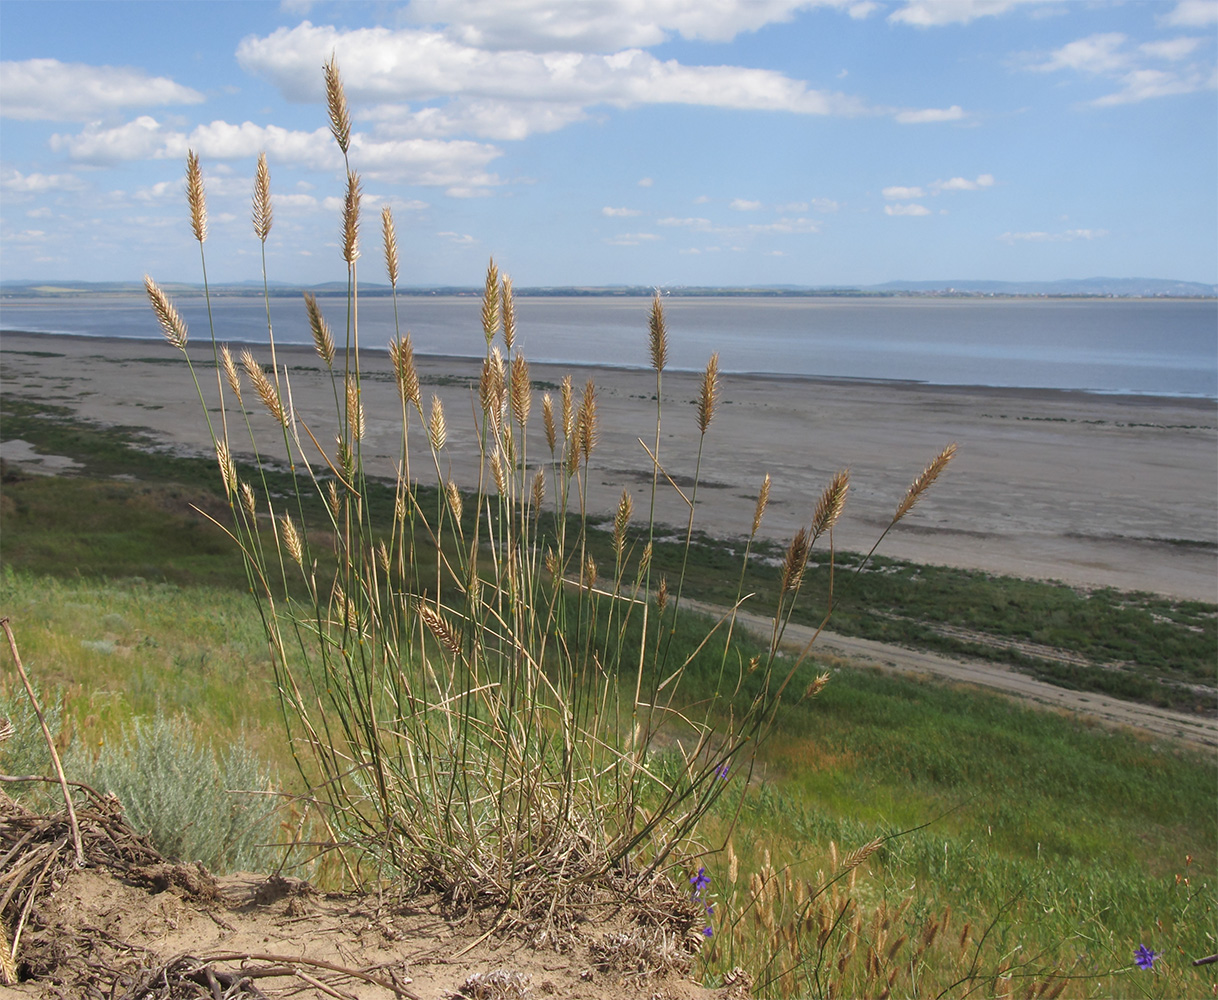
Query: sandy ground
{"x": 1092, "y": 490}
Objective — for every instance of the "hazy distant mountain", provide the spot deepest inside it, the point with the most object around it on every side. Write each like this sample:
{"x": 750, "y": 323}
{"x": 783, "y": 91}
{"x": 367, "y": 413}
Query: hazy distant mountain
{"x": 1112, "y": 287}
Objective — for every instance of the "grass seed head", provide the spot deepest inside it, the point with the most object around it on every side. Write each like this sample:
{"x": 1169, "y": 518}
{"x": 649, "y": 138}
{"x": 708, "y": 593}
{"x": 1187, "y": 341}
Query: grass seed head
{"x": 621, "y": 520}
{"x": 195, "y": 197}
{"x": 390, "y": 238}
{"x": 248, "y": 501}
{"x": 444, "y": 633}
{"x": 658, "y": 334}
{"x": 662, "y": 595}
{"x": 291, "y": 539}
{"x": 228, "y": 472}
{"x": 521, "y": 389}
{"x": 355, "y": 410}
{"x": 539, "y": 491}
{"x": 262, "y": 212}
{"x": 568, "y": 409}
{"x": 497, "y": 473}
{"x": 708, "y": 396}
{"x": 336, "y": 100}
{"x": 547, "y": 418}
{"x": 172, "y": 324}
{"x": 350, "y": 233}
{"x": 437, "y": 430}
{"x": 230, "y": 372}
{"x": 763, "y": 501}
{"x": 795, "y": 561}
{"x": 832, "y": 501}
{"x": 401, "y": 354}
{"x": 454, "y": 500}
{"x": 920, "y": 485}
{"x": 265, "y": 389}
{"x": 323, "y": 339}
{"x": 332, "y": 500}
{"x": 490, "y": 303}
{"x": 507, "y": 306}
{"x": 589, "y": 429}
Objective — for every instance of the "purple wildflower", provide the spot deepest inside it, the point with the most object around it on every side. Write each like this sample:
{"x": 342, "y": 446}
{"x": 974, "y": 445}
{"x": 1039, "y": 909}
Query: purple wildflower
{"x": 700, "y": 882}
{"x": 707, "y": 932}
{"x": 1144, "y": 958}
{"x": 721, "y": 774}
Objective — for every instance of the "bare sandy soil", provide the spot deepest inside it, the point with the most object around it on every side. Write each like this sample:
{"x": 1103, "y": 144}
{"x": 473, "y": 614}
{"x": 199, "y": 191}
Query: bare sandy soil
{"x": 1091, "y": 490}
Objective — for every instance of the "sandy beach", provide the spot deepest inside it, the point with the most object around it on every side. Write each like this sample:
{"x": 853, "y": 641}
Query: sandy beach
{"x": 1091, "y": 490}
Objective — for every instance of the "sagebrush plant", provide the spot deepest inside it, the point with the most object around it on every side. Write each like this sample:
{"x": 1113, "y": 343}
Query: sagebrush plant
{"x": 477, "y": 706}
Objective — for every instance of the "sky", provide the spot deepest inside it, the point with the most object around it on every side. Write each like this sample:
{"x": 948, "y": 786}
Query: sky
{"x": 602, "y": 142}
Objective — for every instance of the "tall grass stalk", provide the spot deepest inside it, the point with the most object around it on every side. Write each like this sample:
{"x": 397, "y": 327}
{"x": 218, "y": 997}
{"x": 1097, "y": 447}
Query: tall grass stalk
{"x": 477, "y": 706}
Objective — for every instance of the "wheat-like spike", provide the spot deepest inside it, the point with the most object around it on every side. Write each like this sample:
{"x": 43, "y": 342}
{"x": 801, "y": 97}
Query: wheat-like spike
{"x": 262, "y": 213}
{"x": 708, "y": 396}
{"x": 228, "y": 471}
{"x": 454, "y": 500}
{"x": 539, "y": 491}
{"x": 230, "y": 372}
{"x": 355, "y": 410}
{"x": 621, "y": 520}
{"x": 439, "y": 628}
{"x": 645, "y": 559}
{"x": 662, "y": 595}
{"x": 437, "y": 430}
{"x": 589, "y": 580}
{"x": 547, "y": 418}
{"x": 568, "y": 408}
{"x": 401, "y": 354}
{"x": 263, "y": 386}
{"x": 658, "y": 334}
{"x": 507, "y": 306}
{"x": 332, "y": 500}
{"x": 795, "y": 561}
{"x": 172, "y": 324}
{"x": 344, "y": 456}
{"x": 195, "y": 197}
{"x": 521, "y": 389}
{"x": 856, "y": 858}
{"x": 490, "y": 303}
{"x": 924, "y": 481}
{"x": 391, "y": 245}
{"x": 336, "y": 99}
{"x": 291, "y": 539}
{"x": 816, "y": 686}
{"x": 829, "y": 507}
{"x": 247, "y": 499}
{"x": 382, "y": 556}
{"x": 589, "y": 430}
{"x": 351, "y": 218}
{"x": 497, "y": 472}
{"x": 763, "y": 501}
{"x": 399, "y": 509}
{"x": 323, "y": 339}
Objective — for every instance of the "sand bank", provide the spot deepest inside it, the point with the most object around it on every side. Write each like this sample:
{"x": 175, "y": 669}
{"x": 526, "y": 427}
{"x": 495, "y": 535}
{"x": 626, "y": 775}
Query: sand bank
{"x": 1092, "y": 490}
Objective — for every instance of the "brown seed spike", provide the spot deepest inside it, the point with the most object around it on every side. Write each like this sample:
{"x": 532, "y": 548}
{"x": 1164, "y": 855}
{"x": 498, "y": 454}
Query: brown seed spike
{"x": 832, "y": 501}
{"x": 172, "y": 324}
{"x": 709, "y": 394}
{"x": 658, "y": 334}
{"x": 924, "y": 481}
{"x": 195, "y": 197}
{"x": 262, "y": 212}
{"x": 351, "y": 218}
{"x": 547, "y": 416}
{"x": 539, "y": 492}
{"x": 795, "y": 561}
{"x": 437, "y": 430}
{"x": 391, "y": 245}
{"x": 621, "y": 520}
{"x": 230, "y": 372}
{"x": 763, "y": 501}
{"x": 336, "y": 99}
{"x": 507, "y": 307}
{"x": 490, "y": 303}
{"x": 323, "y": 339}
{"x": 401, "y": 354}
{"x": 589, "y": 430}
{"x": 521, "y": 389}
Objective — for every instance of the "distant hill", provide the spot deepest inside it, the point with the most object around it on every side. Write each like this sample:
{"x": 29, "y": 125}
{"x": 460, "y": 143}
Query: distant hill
{"x": 1090, "y": 287}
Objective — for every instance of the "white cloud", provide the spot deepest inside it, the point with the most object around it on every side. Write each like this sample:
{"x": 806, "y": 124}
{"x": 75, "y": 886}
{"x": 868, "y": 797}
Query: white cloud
{"x": 864, "y": 9}
{"x": 825, "y": 205}
{"x": 489, "y": 119}
{"x": 543, "y": 91}
{"x": 1172, "y": 49}
{"x": 1193, "y": 14}
{"x": 928, "y": 116}
{"x": 699, "y": 224}
{"x": 645, "y": 182}
{"x": 619, "y": 213}
{"x": 1093, "y": 54}
{"x": 50, "y": 90}
{"x": 934, "y": 13}
{"x": 906, "y": 210}
{"x": 785, "y": 226}
{"x": 1067, "y": 236}
{"x": 962, "y": 184}
{"x": 461, "y": 239}
{"x": 631, "y": 239}
{"x": 605, "y": 25}
{"x": 19, "y": 183}
{"x": 1144, "y": 84}
{"x": 898, "y": 193}
{"x": 744, "y": 205}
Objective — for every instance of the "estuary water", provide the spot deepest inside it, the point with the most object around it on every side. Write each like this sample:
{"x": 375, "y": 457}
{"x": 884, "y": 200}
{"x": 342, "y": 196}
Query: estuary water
{"x": 1157, "y": 347}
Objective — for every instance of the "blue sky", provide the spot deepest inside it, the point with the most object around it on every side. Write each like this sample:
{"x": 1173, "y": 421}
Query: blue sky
{"x": 652, "y": 142}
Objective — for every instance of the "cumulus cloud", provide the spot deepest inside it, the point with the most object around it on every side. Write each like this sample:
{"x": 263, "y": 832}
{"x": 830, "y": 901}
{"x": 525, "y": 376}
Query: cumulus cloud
{"x": 1138, "y": 71}
{"x": 619, "y": 213}
{"x": 1193, "y": 14}
{"x": 911, "y": 209}
{"x": 631, "y": 239}
{"x": 16, "y": 182}
{"x": 934, "y": 13}
{"x": 510, "y": 93}
{"x": 930, "y": 116}
{"x": 744, "y": 205}
{"x": 1067, "y": 236}
{"x": 963, "y": 184}
{"x": 898, "y": 193}
{"x": 606, "y": 25}
{"x": 50, "y": 90}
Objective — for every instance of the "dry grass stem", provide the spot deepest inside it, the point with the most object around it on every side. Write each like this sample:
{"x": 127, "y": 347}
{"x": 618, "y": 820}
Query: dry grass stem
{"x": 172, "y": 324}
{"x": 323, "y": 339}
{"x": 708, "y": 394}
{"x": 195, "y": 197}
{"x": 336, "y": 101}
{"x": 390, "y": 238}
{"x": 920, "y": 485}
{"x": 262, "y": 212}
{"x": 832, "y": 501}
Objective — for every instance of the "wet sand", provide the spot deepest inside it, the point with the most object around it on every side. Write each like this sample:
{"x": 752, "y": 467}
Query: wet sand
{"x": 1092, "y": 490}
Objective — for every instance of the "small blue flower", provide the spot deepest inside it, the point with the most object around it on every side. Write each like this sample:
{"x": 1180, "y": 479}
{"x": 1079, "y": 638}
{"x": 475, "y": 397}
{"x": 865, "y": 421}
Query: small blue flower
{"x": 1144, "y": 958}
{"x": 721, "y": 774}
{"x": 707, "y": 932}
{"x": 700, "y": 882}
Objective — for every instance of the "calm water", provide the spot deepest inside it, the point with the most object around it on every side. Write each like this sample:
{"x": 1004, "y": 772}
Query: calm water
{"x": 1160, "y": 347}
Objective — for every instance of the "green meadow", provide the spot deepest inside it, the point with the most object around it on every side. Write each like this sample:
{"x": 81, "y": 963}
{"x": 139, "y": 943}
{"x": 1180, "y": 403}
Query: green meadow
{"x": 894, "y": 837}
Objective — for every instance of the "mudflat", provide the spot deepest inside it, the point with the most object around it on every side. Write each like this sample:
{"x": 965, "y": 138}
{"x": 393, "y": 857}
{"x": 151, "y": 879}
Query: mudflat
{"x": 1092, "y": 490}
